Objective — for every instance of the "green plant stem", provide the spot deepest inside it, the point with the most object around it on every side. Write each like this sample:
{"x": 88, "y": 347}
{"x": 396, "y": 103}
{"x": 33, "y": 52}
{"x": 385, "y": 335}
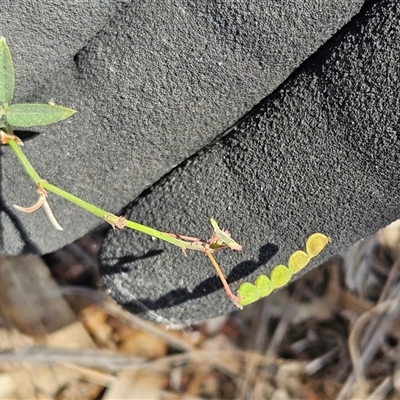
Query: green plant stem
{"x": 98, "y": 212}
{"x": 24, "y": 161}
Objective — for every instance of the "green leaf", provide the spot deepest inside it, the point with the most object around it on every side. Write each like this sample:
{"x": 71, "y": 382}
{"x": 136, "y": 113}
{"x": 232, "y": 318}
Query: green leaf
{"x": 6, "y": 73}
{"x": 27, "y": 115}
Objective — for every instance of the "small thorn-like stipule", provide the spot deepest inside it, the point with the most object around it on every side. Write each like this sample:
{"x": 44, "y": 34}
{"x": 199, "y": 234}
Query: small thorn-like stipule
{"x": 41, "y": 200}
{"x": 51, "y": 216}
{"x": 6, "y": 137}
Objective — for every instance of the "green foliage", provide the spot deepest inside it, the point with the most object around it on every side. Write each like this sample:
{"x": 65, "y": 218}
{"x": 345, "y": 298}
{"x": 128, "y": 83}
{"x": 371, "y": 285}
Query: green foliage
{"x": 23, "y": 115}
{"x": 6, "y": 73}
{"x": 27, "y": 115}
{"x": 281, "y": 275}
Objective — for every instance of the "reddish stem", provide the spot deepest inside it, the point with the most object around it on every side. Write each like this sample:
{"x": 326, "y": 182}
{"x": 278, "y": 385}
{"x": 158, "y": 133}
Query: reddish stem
{"x": 232, "y": 297}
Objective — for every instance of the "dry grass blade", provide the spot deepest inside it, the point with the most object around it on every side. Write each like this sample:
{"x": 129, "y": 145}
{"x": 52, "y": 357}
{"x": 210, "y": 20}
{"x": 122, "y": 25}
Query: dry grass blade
{"x": 361, "y": 360}
{"x": 382, "y": 391}
{"x": 92, "y": 358}
{"x": 369, "y": 332}
{"x": 172, "y": 340}
{"x": 113, "y": 362}
{"x": 111, "y": 307}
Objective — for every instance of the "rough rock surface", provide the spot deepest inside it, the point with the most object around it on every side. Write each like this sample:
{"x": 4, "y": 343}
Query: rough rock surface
{"x": 321, "y": 154}
{"x": 153, "y": 83}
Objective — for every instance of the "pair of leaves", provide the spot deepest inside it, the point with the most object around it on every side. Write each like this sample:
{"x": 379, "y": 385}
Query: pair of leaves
{"x": 282, "y": 274}
{"x": 23, "y": 115}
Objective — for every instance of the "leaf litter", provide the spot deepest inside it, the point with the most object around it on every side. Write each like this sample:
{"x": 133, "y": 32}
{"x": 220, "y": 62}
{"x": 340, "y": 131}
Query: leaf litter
{"x": 332, "y": 334}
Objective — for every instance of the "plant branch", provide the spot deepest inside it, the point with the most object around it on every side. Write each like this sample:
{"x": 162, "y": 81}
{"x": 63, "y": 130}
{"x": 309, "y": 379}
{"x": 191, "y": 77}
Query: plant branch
{"x": 29, "y": 115}
{"x": 236, "y": 300}
{"x": 24, "y": 161}
{"x": 98, "y": 212}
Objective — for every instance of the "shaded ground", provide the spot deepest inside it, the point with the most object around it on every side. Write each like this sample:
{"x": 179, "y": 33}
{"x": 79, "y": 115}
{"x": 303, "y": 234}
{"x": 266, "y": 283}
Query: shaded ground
{"x": 332, "y": 334}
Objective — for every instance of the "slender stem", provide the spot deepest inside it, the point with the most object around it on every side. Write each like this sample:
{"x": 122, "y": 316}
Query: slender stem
{"x": 235, "y": 299}
{"x": 164, "y": 236}
{"x": 120, "y": 222}
{"x": 73, "y": 199}
{"x": 24, "y": 161}
{"x": 111, "y": 217}
{"x": 93, "y": 209}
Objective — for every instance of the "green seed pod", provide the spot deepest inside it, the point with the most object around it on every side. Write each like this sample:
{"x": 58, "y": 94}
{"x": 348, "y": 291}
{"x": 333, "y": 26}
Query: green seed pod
{"x": 298, "y": 260}
{"x": 280, "y": 276}
{"x": 316, "y": 243}
{"x": 264, "y": 285}
{"x": 248, "y": 293}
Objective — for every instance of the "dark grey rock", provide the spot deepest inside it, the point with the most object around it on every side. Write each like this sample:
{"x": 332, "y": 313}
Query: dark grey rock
{"x": 152, "y": 86}
{"x": 45, "y": 35}
{"x": 319, "y": 154}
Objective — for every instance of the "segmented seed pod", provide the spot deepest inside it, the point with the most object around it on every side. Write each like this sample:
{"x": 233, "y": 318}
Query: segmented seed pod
{"x": 264, "y": 285}
{"x": 248, "y": 293}
{"x": 280, "y": 276}
{"x": 298, "y": 260}
{"x": 316, "y": 243}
